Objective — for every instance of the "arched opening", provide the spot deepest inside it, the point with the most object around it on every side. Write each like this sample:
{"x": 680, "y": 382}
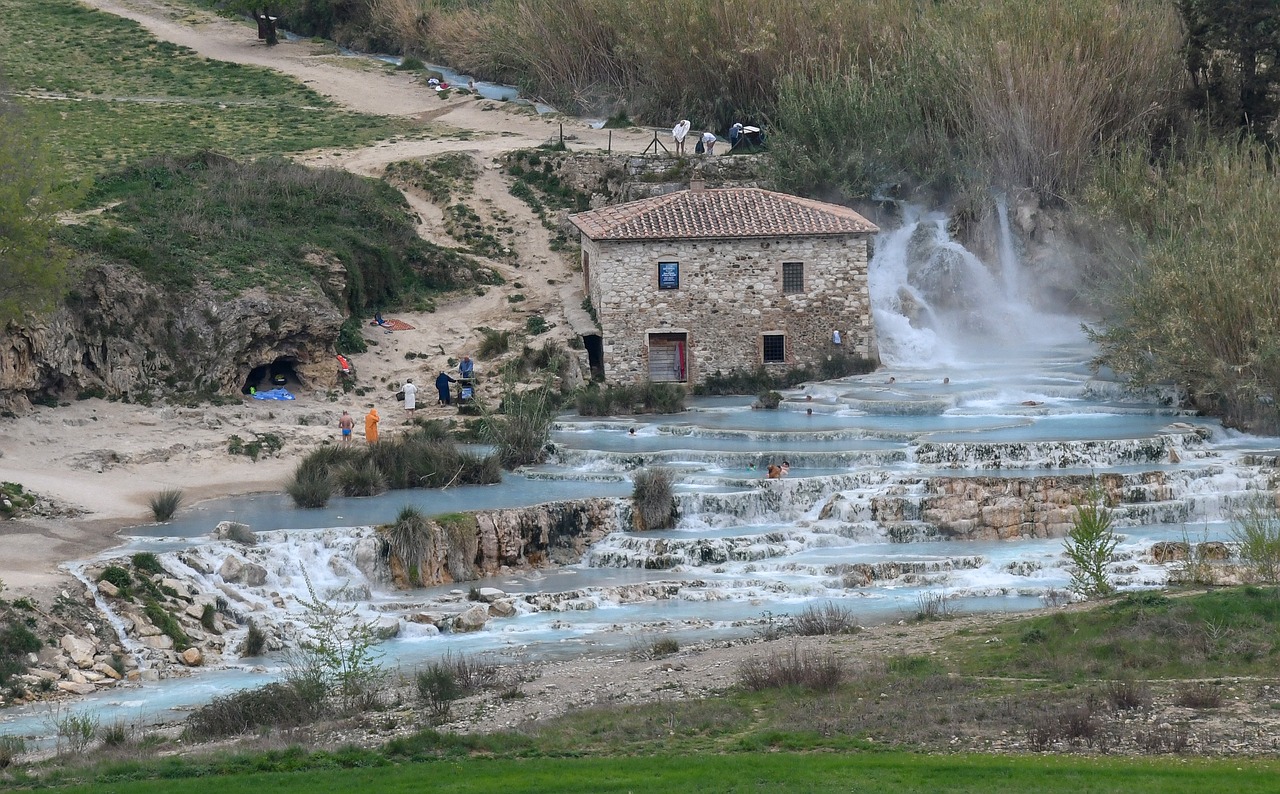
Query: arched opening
{"x": 279, "y": 374}
{"x": 594, "y": 343}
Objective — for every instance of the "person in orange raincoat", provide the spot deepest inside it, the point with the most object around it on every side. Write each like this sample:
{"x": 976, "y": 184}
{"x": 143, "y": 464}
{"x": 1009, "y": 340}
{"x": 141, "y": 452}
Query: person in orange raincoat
{"x": 371, "y": 420}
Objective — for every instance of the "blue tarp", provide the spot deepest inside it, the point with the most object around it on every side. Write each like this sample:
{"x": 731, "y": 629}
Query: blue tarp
{"x": 274, "y": 394}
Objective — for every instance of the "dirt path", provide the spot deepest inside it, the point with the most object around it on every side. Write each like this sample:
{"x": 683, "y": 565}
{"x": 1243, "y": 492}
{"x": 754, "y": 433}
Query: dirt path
{"x": 105, "y": 460}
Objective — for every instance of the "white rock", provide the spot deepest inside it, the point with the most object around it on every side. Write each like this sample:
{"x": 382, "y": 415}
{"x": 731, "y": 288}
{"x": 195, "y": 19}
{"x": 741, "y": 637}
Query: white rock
{"x": 473, "y": 619}
{"x": 109, "y": 590}
{"x": 79, "y": 649}
{"x": 74, "y": 688}
{"x": 159, "y": 642}
{"x": 192, "y": 657}
{"x": 491, "y": 594}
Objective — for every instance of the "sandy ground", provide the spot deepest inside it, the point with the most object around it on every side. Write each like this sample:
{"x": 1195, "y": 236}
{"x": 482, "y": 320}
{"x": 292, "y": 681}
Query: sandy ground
{"x": 100, "y": 462}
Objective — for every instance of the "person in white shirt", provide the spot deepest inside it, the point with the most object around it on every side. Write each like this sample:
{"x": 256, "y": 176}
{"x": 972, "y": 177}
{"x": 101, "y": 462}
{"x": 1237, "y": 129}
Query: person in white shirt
{"x": 410, "y": 397}
{"x": 709, "y": 142}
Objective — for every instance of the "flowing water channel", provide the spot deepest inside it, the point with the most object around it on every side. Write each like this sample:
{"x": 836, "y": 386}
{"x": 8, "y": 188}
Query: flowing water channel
{"x": 977, "y": 386}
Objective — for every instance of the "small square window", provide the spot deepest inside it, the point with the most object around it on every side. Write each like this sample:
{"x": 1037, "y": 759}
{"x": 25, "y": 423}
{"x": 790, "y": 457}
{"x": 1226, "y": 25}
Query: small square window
{"x": 668, "y": 275}
{"x": 775, "y": 351}
{"x": 792, "y": 277}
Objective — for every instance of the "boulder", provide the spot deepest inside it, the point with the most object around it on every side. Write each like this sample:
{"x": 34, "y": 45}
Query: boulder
{"x": 473, "y": 619}
{"x": 107, "y": 670}
{"x": 502, "y": 608}
{"x": 490, "y": 594}
{"x": 76, "y": 689}
{"x": 236, "y": 570}
{"x": 158, "y": 642}
{"x": 192, "y": 657}
{"x": 235, "y": 532}
{"x": 195, "y": 611}
{"x": 109, "y": 590}
{"x": 386, "y": 627}
{"x": 79, "y": 650}
{"x": 1169, "y": 551}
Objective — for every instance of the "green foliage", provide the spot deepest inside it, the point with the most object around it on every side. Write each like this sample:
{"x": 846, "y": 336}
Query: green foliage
{"x": 262, "y": 444}
{"x": 536, "y": 324}
{"x": 762, "y": 379}
{"x": 1225, "y": 632}
{"x": 339, "y": 654}
{"x": 350, "y": 337}
{"x": 410, "y": 540}
{"x": 652, "y": 499}
{"x": 167, "y": 623}
{"x": 791, "y": 669}
{"x": 275, "y": 705}
{"x": 31, "y": 265}
{"x": 624, "y": 399}
{"x": 165, "y": 503}
{"x": 147, "y": 562}
{"x": 120, "y": 578}
{"x": 18, "y": 499}
{"x": 310, "y": 487}
{"x": 493, "y": 343}
{"x": 1195, "y": 293}
{"x": 271, "y": 222}
{"x": 1256, "y": 531}
{"x": 102, "y": 73}
{"x": 441, "y": 177}
{"x": 1233, "y": 58}
{"x": 522, "y": 430}
{"x": 768, "y": 399}
{"x": 16, "y": 641}
{"x": 255, "y": 641}
{"x": 1089, "y": 546}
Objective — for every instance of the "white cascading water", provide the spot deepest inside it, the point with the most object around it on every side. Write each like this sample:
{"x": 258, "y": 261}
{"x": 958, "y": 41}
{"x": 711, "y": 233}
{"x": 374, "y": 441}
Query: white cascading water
{"x": 978, "y": 382}
{"x": 936, "y": 304}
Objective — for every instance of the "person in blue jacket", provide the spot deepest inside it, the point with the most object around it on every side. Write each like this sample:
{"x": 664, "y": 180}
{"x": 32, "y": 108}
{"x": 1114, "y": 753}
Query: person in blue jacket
{"x": 442, "y": 385}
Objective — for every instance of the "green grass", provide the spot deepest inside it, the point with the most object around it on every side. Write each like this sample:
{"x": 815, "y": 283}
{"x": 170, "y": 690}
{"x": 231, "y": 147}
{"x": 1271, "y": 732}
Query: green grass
{"x": 739, "y": 772}
{"x": 1222, "y": 633}
{"x": 124, "y": 95}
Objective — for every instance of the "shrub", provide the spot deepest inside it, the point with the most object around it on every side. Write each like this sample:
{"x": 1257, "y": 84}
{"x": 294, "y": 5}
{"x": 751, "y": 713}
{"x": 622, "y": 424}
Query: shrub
{"x": 768, "y": 400}
{"x": 462, "y": 539}
{"x": 625, "y": 399}
{"x": 652, "y": 499}
{"x": 207, "y": 615}
{"x": 437, "y": 689}
{"x": 830, "y": 618}
{"x": 309, "y": 486}
{"x": 411, "y": 541}
{"x": 1089, "y": 546}
{"x": 794, "y": 668}
{"x": 147, "y": 562}
{"x": 167, "y": 623}
{"x": 10, "y": 748}
{"x": 241, "y": 533}
{"x": 493, "y": 343}
{"x": 522, "y": 431}
{"x": 254, "y": 642}
{"x": 1126, "y": 695}
{"x": 115, "y": 734}
{"x": 351, "y": 337}
{"x": 360, "y": 479}
{"x": 119, "y": 577}
{"x": 276, "y": 705}
{"x": 1256, "y": 530}
{"x": 932, "y": 606}
{"x": 410, "y": 64}
{"x": 536, "y": 325}
{"x": 663, "y": 647}
{"x": 165, "y": 504}
{"x": 77, "y": 731}
{"x": 16, "y": 641}
{"x": 1198, "y": 695}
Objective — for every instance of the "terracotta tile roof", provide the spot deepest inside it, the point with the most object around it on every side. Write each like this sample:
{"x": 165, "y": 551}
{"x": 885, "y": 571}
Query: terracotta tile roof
{"x": 722, "y": 213}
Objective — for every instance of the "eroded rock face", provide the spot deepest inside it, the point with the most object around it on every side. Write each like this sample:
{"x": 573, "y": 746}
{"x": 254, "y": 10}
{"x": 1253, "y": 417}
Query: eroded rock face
{"x": 529, "y": 537}
{"x": 124, "y": 336}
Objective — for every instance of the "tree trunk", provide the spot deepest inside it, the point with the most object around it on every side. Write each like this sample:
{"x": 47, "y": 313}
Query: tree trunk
{"x": 266, "y": 28}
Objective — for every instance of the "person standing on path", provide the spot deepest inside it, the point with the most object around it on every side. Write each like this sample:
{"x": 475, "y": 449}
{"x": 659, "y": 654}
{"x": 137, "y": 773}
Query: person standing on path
{"x": 371, "y": 420}
{"x": 410, "y": 397}
{"x": 346, "y": 424}
{"x": 442, "y": 386}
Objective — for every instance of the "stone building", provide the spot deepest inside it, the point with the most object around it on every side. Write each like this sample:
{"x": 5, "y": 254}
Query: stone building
{"x": 700, "y": 280}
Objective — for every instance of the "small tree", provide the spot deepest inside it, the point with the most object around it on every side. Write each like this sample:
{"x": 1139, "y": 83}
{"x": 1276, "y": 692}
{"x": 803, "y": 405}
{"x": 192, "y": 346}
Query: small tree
{"x": 339, "y": 653}
{"x": 1089, "y": 546}
{"x": 1257, "y": 531}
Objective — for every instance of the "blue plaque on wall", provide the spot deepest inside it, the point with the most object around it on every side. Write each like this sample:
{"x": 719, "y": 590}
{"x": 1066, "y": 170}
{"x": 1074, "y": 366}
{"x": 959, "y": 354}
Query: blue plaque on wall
{"x": 668, "y": 275}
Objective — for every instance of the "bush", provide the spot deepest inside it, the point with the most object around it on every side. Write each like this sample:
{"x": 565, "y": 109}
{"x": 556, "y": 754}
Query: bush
{"x": 167, "y": 623}
{"x": 437, "y": 689}
{"x": 16, "y": 641}
{"x": 624, "y": 399}
{"x": 768, "y": 400}
{"x": 1127, "y": 695}
{"x": 77, "y": 731}
{"x": 351, "y": 337}
{"x": 536, "y": 325}
{"x": 147, "y": 562}
{"x": 119, "y": 577}
{"x": 493, "y": 343}
{"x": 165, "y": 504}
{"x": 1089, "y": 546}
{"x": 360, "y": 479}
{"x": 255, "y": 641}
{"x": 410, "y": 64}
{"x": 309, "y": 486}
{"x": 652, "y": 499}
{"x": 276, "y": 705}
{"x": 830, "y": 618}
{"x": 10, "y": 748}
{"x": 793, "y": 669}
{"x": 1256, "y": 530}
{"x": 411, "y": 541}
{"x": 522, "y": 431}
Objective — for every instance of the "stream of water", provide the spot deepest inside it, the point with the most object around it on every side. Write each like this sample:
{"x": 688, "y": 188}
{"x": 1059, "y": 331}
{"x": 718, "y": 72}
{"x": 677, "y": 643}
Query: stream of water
{"x": 975, "y": 383}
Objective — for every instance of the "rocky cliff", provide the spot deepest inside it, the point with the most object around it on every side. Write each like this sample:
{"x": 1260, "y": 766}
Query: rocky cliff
{"x": 117, "y": 335}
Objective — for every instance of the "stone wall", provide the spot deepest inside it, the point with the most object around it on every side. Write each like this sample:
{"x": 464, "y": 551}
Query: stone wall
{"x": 730, "y": 294}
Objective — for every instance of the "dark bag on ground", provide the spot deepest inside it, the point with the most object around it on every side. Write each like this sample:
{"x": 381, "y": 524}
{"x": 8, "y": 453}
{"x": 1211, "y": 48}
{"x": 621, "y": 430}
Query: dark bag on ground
{"x": 699, "y": 149}
{"x": 400, "y": 396}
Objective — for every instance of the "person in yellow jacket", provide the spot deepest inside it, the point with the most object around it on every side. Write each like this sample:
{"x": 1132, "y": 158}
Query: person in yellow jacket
{"x": 371, "y": 420}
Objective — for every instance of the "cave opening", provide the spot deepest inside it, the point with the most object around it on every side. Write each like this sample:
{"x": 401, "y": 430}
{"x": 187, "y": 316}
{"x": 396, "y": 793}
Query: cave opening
{"x": 279, "y": 374}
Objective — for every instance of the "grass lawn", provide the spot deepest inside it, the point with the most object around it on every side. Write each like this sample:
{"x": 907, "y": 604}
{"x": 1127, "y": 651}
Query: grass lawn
{"x": 109, "y": 93}
{"x": 772, "y": 772}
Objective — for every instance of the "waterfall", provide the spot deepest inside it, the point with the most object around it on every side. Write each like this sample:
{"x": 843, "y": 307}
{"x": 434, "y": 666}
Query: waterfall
{"x": 936, "y": 304}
